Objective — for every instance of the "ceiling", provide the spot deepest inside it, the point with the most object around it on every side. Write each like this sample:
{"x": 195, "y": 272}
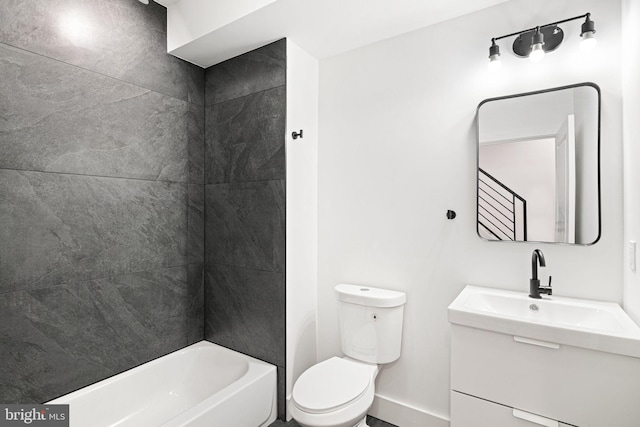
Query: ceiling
{"x": 323, "y": 28}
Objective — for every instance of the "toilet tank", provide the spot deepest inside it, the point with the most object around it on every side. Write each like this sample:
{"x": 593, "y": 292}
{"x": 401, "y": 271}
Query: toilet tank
{"x": 370, "y": 322}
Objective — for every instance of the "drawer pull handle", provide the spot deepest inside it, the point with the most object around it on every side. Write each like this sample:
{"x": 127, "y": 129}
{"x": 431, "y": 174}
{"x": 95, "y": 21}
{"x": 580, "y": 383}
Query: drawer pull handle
{"x": 536, "y": 342}
{"x": 536, "y": 419}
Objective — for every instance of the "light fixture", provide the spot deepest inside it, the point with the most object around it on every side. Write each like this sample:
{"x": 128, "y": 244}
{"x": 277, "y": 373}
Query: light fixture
{"x": 537, "y": 50}
{"x": 588, "y": 34}
{"x": 494, "y": 56}
{"x": 534, "y": 43}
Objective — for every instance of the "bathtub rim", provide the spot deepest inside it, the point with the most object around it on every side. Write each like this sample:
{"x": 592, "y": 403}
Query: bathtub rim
{"x": 153, "y": 362}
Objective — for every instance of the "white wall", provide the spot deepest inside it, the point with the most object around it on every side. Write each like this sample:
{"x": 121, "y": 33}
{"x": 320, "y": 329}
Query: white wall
{"x": 631, "y": 103}
{"x": 397, "y": 149}
{"x": 302, "y": 212}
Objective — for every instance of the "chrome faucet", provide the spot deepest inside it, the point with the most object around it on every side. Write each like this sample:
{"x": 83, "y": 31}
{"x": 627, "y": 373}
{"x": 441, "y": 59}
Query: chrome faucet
{"x": 534, "y": 284}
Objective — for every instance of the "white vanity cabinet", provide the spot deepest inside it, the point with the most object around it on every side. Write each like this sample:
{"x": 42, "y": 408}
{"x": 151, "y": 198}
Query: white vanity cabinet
{"x": 476, "y": 412}
{"x": 507, "y": 380}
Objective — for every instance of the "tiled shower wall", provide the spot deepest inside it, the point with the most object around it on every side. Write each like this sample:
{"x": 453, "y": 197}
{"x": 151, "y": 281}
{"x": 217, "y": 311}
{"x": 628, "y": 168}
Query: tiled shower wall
{"x": 101, "y": 194}
{"x": 245, "y": 205}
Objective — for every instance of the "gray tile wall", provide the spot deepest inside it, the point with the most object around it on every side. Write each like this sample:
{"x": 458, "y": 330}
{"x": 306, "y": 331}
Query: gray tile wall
{"x": 101, "y": 194}
{"x": 245, "y": 205}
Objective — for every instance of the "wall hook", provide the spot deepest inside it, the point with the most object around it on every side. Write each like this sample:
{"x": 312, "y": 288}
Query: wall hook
{"x": 451, "y": 214}
{"x": 296, "y": 135}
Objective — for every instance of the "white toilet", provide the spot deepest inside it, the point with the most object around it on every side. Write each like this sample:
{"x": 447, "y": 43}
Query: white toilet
{"x": 339, "y": 391}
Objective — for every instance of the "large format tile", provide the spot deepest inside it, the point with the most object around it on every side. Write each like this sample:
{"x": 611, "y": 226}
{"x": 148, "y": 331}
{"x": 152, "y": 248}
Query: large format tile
{"x": 54, "y": 340}
{"x": 245, "y": 225}
{"x": 282, "y": 392}
{"x": 195, "y": 309}
{"x": 244, "y": 310}
{"x": 195, "y": 230}
{"x": 196, "y": 143}
{"x": 244, "y": 138}
{"x": 60, "y": 118}
{"x": 119, "y": 38}
{"x": 260, "y": 69}
{"x": 57, "y": 228}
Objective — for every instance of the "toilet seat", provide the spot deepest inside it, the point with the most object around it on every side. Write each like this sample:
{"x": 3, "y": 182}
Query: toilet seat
{"x": 332, "y": 385}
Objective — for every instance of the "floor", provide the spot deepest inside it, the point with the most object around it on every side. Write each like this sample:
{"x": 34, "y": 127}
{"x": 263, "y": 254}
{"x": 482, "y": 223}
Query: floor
{"x": 373, "y": 422}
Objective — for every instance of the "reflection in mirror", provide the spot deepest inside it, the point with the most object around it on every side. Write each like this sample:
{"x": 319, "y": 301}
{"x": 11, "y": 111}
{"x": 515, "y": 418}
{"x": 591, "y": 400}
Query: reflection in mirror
{"x": 539, "y": 166}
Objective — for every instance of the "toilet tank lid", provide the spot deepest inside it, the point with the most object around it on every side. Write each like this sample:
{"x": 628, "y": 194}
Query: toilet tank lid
{"x": 369, "y": 296}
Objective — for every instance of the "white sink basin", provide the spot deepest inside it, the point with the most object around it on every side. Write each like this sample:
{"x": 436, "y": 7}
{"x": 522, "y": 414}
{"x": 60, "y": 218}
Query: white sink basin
{"x": 552, "y": 310}
{"x": 596, "y": 325}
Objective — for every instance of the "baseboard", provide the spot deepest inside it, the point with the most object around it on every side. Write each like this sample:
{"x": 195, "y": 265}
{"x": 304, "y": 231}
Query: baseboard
{"x": 403, "y": 415}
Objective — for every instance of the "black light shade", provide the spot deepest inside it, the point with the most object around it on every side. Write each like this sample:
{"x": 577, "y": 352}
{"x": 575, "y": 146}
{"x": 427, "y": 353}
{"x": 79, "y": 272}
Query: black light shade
{"x": 494, "y": 56}
{"x": 588, "y": 27}
{"x": 494, "y": 50}
{"x": 537, "y": 43}
{"x": 587, "y": 34}
{"x": 552, "y": 37}
{"x": 538, "y": 38}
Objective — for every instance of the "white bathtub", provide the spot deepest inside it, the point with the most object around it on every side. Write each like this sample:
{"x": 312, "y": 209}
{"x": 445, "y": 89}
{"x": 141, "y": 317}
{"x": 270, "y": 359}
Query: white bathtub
{"x": 203, "y": 385}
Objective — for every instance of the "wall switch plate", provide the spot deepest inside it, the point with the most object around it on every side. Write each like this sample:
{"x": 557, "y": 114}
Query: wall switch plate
{"x": 631, "y": 249}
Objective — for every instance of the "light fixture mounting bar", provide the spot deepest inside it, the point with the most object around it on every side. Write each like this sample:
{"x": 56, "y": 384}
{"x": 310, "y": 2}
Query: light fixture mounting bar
{"x": 517, "y": 33}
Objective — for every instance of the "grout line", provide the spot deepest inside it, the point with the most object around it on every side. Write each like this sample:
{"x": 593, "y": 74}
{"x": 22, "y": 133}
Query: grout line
{"x": 247, "y": 182}
{"x": 42, "y": 55}
{"x": 97, "y": 176}
{"x": 242, "y": 267}
{"x": 243, "y": 96}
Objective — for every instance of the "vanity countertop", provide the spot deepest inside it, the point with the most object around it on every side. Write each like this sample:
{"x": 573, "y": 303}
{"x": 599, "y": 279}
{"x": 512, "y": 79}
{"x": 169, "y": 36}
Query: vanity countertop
{"x": 595, "y": 325}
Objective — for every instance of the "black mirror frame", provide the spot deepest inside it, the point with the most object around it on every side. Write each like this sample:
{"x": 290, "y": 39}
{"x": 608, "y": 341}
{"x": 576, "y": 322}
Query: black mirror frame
{"x": 537, "y": 92}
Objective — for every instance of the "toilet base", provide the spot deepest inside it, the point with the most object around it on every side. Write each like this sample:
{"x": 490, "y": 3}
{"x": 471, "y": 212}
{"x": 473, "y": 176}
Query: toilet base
{"x": 362, "y": 423}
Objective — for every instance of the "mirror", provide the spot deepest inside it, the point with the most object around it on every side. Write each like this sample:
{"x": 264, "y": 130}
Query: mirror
{"x": 539, "y": 166}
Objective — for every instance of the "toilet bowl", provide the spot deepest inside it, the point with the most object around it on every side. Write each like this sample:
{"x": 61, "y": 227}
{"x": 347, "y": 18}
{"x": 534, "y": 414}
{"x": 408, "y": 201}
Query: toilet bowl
{"x": 334, "y": 393}
{"x": 339, "y": 391}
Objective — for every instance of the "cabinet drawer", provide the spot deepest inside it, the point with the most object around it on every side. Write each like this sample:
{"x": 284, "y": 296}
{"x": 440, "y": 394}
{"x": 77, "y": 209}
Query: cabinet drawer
{"x": 578, "y": 386}
{"x": 469, "y": 411}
